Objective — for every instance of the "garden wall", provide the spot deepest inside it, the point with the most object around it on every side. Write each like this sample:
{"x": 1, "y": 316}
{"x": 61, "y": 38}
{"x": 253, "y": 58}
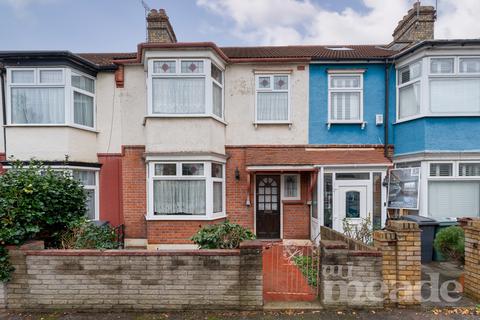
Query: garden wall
{"x": 89, "y": 280}
{"x": 472, "y": 258}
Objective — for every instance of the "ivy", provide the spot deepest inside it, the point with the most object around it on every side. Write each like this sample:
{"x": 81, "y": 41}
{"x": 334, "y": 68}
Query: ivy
{"x": 36, "y": 202}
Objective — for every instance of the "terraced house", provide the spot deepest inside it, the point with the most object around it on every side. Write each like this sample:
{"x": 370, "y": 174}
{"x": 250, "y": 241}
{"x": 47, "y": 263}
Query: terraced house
{"x": 279, "y": 139}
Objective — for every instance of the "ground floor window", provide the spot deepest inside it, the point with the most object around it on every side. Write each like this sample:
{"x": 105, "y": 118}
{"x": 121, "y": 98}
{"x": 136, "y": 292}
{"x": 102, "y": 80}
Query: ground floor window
{"x": 193, "y": 188}
{"x": 88, "y": 178}
{"x": 453, "y": 199}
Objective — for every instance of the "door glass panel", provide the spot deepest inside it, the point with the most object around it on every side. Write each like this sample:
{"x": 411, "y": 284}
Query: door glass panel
{"x": 352, "y": 205}
{"x": 328, "y": 200}
{"x": 377, "y": 200}
{"x": 352, "y": 176}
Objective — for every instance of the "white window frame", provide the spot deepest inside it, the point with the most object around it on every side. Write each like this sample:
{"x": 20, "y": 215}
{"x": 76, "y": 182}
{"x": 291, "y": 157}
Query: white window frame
{"x": 425, "y": 79}
{"x": 454, "y": 169}
{"x": 68, "y": 96}
{"x": 207, "y": 177}
{"x": 272, "y": 89}
{"x": 338, "y": 73}
{"x": 96, "y": 187}
{"x": 206, "y": 75}
{"x": 283, "y": 188}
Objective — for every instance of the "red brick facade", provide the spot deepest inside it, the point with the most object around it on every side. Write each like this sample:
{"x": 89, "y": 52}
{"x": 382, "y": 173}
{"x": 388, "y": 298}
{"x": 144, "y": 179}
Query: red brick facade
{"x": 174, "y": 232}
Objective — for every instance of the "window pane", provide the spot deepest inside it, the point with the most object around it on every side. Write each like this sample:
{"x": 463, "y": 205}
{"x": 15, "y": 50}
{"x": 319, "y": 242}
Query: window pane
{"x": 339, "y": 82}
{"x": 291, "y": 185}
{"x": 352, "y": 205}
{"x": 217, "y": 196}
{"x": 164, "y": 67}
{"x": 469, "y": 169}
{"x": 216, "y": 74}
{"x": 23, "y": 76}
{"x": 192, "y": 169}
{"x": 441, "y": 65}
{"x": 179, "y": 95}
{"x": 217, "y": 100}
{"x": 410, "y": 72}
{"x": 455, "y": 96}
{"x": 86, "y": 177}
{"x": 192, "y": 66}
{"x": 83, "y": 109}
{"x": 90, "y": 204}
{"x": 38, "y": 105}
{"x": 217, "y": 170}
{"x": 165, "y": 169}
{"x": 327, "y": 200}
{"x": 345, "y": 106}
{"x": 352, "y": 176}
{"x": 470, "y": 65}
{"x": 83, "y": 83}
{"x": 453, "y": 199}
{"x": 409, "y": 100}
{"x": 272, "y": 106}
{"x": 280, "y": 83}
{"x": 441, "y": 169}
{"x": 264, "y": 82}
{"x": 177, "y": 197}
{"x": 51, "y": 76}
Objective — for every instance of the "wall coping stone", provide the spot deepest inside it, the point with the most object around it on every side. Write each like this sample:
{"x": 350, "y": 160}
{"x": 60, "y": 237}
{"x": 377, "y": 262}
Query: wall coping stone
{"x": 333, "y": 244}
{"x": 399, "y": 225}
{"x": 365, "y": 253}
{"x": 204, "y": 252}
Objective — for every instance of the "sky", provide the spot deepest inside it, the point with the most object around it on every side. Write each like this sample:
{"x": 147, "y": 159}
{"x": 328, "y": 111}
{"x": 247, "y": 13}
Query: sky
{"x": 119, "y": 25}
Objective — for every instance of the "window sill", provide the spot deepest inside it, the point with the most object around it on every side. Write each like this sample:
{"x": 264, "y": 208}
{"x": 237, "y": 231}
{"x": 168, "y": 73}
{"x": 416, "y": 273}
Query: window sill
{"x": 437, "y": 116}
{"x": 50, "y": 126}
{"x": 292, "y": 201}
{"x": 186, "y": 116}
{"x": 183, "y": 218}
{"x": 273, "y": 123}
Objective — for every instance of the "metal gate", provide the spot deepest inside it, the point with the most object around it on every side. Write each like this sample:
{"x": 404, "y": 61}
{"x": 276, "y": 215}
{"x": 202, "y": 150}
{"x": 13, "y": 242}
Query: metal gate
{"x": 290, "y": 272}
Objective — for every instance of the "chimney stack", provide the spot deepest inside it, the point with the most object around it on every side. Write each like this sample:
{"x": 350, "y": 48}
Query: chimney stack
{"x": 416, "y": 25}
{"x": 159, "y": 29}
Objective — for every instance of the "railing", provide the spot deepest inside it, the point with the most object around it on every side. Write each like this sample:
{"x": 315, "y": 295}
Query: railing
{"x": 330, "y": 234}
{"x": 120, "y": 234}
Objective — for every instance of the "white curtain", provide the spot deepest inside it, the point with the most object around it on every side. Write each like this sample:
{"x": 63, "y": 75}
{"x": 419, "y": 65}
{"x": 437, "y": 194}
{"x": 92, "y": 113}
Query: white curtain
{"x": 409, "y": 100}
{"x": 455, "y": 95}
{"x": 291, "y": 185}
{"x": 272, "y": 106}
{"x": 453, "y": 199}
{"x": 23, "y": 76}
{"x": 38, "y": 105}
{"x": 51, "y": 76}
{"x": 217, "y": 196}
{"x": 179, "y": 95}
{"x": 217, "y": 100}
{"x": 83, "y": 109}
{"x": 345, "y": 106}
{"x": 83, "y": 83}
{"x": 345, "y": 82}
{"x": 176, "y": 197}
{"x": 86, "y": 177}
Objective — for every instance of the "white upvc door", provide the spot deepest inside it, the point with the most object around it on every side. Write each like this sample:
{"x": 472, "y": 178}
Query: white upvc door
{"x": 353, "y": 201}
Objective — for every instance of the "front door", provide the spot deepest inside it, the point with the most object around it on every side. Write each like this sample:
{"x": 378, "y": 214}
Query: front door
{"x": 351, "y": 205}
{"x": 268, "y": 207}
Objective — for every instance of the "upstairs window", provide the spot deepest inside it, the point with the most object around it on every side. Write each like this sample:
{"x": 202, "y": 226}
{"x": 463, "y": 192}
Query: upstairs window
{"x": 50, "y": 96}
{"x": 272, "y": 98}
{"x": 409, "y": 90}
{"x": 192, "y": 87}
{"x": 345, "y": 95}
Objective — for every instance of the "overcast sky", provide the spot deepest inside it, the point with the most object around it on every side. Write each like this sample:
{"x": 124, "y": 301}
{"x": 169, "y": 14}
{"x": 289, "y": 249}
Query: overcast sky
{"x": 118, "y": 25}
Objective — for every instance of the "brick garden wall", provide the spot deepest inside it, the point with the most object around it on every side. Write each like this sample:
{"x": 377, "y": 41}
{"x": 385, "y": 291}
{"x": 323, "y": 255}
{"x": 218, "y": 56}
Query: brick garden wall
{"x": 472, "y": 259}
{"x": 89, "y": 280}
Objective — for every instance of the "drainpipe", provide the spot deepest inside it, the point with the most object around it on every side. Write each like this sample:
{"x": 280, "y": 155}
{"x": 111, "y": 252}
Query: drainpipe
{"x": 387, "y": 120}
{"x": 4, "y": 109}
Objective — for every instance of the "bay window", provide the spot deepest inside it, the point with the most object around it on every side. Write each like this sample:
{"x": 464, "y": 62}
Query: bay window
{"x": 272, "y": 96}
{"x": 451, "y": 87}
{"x": 185, "y": 87}
{"x": 345, "y": 98}
{"x": 50, "y": 96}
{"x": 186, "y": 190}
{"x": 88, "y": 178}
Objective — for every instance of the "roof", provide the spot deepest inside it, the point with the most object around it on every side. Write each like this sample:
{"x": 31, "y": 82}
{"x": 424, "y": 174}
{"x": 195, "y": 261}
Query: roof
{"x": 106, "y": 59}
{"x": 301, "y": 155}
{"x": 314, "y": 52}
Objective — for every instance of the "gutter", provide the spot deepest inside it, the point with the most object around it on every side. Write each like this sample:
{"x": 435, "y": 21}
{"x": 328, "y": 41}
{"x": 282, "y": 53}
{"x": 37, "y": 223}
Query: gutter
{"x": 4, "y": 109}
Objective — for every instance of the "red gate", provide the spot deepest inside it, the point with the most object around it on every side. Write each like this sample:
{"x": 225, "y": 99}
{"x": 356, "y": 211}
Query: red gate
{"x": 290, "y": 272}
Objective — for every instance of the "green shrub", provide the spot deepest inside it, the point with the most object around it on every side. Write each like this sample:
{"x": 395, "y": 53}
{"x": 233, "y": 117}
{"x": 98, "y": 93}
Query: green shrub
{"x": 224, "y": 235}
{"x": 309, "y": 268}
{"x": 451, "y": 243}
{"x": 36, "y": 203}
{"x": 87, "y": 235}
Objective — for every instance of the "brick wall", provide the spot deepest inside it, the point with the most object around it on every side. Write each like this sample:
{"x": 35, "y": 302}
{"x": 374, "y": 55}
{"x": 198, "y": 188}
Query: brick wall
{"x": 402, "y": 269}
{"x": 174, "y": 232}
{"x": 134, "y": 193}
{"x": 89, "y": 280}
{"x": 472, "y": 259}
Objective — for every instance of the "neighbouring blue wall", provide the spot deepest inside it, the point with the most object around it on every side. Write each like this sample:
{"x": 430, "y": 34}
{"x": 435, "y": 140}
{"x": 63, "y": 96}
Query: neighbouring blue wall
{"x": 373, "y": 103}
{"x": 437, "y": 134}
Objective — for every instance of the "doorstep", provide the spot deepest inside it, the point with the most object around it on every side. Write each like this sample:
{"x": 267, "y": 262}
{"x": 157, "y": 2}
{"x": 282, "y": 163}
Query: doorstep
{"x": 293, "y": 305}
